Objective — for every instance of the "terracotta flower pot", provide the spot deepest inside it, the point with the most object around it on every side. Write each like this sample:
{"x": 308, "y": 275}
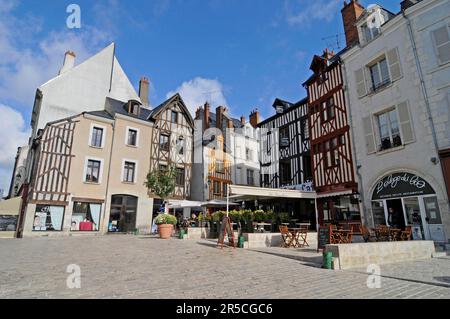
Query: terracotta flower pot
{"x": 165, "y": 231}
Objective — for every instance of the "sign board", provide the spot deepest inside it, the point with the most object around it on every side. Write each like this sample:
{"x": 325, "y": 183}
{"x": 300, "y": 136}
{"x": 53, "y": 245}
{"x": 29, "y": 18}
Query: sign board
{"x": 226, "y": 230}
{"x": 401, "y": 185}
{"x": 323, "y": 236}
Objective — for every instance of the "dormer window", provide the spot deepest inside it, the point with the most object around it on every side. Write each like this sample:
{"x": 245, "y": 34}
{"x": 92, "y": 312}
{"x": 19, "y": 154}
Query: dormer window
{"x": 133, "y": 108}
{"x": 370, "y": 33}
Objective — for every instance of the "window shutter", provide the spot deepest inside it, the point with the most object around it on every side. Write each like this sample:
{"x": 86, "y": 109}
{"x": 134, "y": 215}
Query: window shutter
{"x": 394, "y": 64}
{"x": 368, "y": 133}
{"x": 405, "y": 123}
{"x": 360, "y": 82}
{"x": 442, "y": 42}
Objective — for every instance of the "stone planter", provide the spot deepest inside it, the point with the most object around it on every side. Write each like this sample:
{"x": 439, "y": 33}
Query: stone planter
{"x": 165, "y": 231}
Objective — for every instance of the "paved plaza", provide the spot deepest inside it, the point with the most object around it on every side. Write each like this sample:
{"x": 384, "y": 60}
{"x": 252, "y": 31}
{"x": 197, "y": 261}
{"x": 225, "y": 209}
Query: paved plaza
{"x": 125, "y": 266}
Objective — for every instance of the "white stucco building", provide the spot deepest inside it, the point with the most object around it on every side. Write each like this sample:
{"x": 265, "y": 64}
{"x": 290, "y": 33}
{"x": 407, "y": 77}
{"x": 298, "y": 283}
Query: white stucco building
{"x": 397, "y": 82}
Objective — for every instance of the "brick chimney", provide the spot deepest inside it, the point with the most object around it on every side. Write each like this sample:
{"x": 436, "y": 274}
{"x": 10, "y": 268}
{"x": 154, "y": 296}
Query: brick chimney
{"x": 143, "y": 91}
{"x": 69, "y": 62}
{"x": 327, "y": 54}
{"x": 219, "y": 115}
{"x": 255, "y": 118}
{"x": 243, "y": 120}
{"x": 206, "y": 116}
{"x": 350, "y": 13}
{"x": 230, "y": 123}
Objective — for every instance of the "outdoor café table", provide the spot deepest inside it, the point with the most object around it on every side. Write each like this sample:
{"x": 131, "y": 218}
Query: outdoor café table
{"x": 341, "y": 236}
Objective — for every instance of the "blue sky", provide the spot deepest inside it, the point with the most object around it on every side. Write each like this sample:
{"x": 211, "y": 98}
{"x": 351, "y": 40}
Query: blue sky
{"x": 242, "y": 53}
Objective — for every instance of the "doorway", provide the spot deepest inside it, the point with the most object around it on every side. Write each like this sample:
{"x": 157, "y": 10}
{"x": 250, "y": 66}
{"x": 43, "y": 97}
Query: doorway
{"x": 122, "y": 217}
{"x": 398, "y": 219}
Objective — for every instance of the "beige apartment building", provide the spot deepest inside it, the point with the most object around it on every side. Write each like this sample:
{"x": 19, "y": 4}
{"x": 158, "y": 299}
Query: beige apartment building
{"x": 89, "y": 172}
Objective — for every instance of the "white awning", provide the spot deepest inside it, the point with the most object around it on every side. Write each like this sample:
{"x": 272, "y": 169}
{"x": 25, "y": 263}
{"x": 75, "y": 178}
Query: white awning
{"x": 10, "y": 206}
{"x": 183, "y": 204}
{"x": 218, "y": 203}
{"x": 243, "y": 192}
{"x": 347, "y": 192}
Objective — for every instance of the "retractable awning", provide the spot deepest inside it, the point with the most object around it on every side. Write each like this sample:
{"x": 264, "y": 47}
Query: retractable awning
{"x": 347, "y": 192}
{"x": 239, "y": 192}
{"x": 184, "y": 204}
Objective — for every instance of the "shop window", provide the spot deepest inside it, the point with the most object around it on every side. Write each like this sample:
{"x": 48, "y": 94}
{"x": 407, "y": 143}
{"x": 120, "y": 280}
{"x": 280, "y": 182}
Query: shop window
{"x": 48, "y": 218}
{"x": 379, "y": 217}
{"x": 85, "y": 217}
{"x": 8, "y": 222}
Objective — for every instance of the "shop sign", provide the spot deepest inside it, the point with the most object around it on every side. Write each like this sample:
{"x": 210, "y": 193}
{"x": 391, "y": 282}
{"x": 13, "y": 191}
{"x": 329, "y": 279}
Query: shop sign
{"x": 401, "y": 185}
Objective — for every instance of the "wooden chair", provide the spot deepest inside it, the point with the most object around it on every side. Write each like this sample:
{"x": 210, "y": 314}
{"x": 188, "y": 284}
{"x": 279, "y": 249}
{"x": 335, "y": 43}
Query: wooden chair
{"x": 301, "y": 238}
{"x": 382, "y": 233}
{"x": 367, "y": 234}
{"x": 406, "y": 234}
{"x": 286, "y": 236}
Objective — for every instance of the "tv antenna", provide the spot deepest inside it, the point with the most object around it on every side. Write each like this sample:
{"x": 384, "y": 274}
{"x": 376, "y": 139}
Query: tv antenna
{"x": 333, "y": 41}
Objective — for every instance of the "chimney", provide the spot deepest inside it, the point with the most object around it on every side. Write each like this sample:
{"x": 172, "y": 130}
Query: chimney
{"x": 197, "y": 113}
{"x": 219, "y": 112}
{"x": 243, "y": 120}
{"x": 327, "y": 54}
{"x": 206, "y": 116}
{"x": 143, "y": 91}
{"x": 69, "y": 62}
{"x": 230, "y": 123}
{"x": 255, "y": 118}
{"x": 350, "y": 13}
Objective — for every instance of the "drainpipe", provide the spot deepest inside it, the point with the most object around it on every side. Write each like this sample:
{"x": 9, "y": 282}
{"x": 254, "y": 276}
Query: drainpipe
{"x": 422, "y": 82}
{"x": 109, "y": 175}
{"x": 362, "y": 205}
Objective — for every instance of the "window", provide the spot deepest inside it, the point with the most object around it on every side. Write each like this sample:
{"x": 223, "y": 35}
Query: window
{"x": 389, "y": 130}
{"x": 305, "y": 129}
{"x": 379, "y": 73}
{"x": 85, "y": 217}
{"x": 216, "y": 187}
{"x": 179, "y": 178}
{"x": 93, "y": 171}
{"x": 174, "y": 117}
{"x": 132, "y": 137}
{"x": 266, "y": 180}
{"x": 180, "y": 145}
{"x": 285, "y": 172}
{"x": 8, "y": 222}
{"x": 220, "y": 167}
{"x": 224, "y": 189}
{"x": 162, "y": 167}
{"x": 250, "y": 177}
{"x": 269, "y": 143}
{"x": 442, "y": 44}
{"x": 134, "y": 108}
{"x": 97, "y": 137}
{"x": 328, "y": 110}
{"x": 129, "y": 169}
{"x": 248, "y": 154}
{"x": 48, "y": 218}
{"x": 331, "y": 152}
{"x": 284, "y": 137}
{"x": 164, "y": 142}
{"x": 369, "y": 33}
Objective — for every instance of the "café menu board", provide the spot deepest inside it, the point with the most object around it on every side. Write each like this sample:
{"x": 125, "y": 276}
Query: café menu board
{"x": 324, "y": 237}
{"x": 226, "y": 230}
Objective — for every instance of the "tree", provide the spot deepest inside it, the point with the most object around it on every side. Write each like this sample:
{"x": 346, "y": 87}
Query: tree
{"x": 161, "y": 182}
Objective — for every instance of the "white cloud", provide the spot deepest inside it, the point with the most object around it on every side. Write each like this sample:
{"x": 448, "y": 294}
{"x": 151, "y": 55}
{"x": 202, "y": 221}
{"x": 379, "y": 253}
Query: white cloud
{"x": 199, "y": 90}
{"x": 26, "y": 63}
{"x": 14, "y": 134}
{"x": 305, "y": 11}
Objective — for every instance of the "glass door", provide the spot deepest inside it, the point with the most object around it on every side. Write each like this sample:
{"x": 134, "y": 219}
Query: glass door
{"x": 413, "y": 217}
{"x": 433, "y": 219}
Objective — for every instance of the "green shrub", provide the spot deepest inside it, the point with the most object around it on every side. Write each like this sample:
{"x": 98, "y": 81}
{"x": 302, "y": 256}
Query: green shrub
{"x": 235, "y": 216}
{"x": 217, "y": 216}
{"x": 259, "y": 215}
{"x": 247, "y": 215}
{"x": 284, "y": 217}
{"x": 269, "y": 216}
{"x": 163, "y": 219}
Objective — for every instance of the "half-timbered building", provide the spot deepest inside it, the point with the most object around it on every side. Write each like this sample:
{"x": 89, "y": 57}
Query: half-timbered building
{"x": 89, "y": 170}
{"x": 331, "y": 152}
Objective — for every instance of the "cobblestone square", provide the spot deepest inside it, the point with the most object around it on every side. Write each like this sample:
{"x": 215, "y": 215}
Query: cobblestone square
{"x": 146, "y": 267}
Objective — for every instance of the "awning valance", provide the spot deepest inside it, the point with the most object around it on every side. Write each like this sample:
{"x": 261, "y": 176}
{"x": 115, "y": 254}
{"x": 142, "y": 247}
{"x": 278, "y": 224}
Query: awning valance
{"x": 325, "y": 195}
{"x": 239, "y": 191}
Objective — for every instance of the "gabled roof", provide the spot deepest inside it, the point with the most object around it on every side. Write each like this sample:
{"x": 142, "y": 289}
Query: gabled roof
{"x": 292, "y": 106}
{"x": 157, "y": 110}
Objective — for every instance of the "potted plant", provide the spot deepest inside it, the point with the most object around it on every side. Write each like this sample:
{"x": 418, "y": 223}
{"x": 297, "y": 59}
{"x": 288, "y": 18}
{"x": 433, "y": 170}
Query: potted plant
{"x": 260, "y": 215}
{"x": 162, "y": 183}
{"x": 165, "y": 223}
{"x": 247, "y": 217}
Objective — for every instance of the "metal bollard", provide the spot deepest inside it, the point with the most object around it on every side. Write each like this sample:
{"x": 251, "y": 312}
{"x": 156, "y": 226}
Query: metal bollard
{"x": 327, "y": 260}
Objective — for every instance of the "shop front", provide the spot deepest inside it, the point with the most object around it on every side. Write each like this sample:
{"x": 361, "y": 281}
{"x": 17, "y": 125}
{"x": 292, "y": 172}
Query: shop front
{"x": 340, "y": 208}
{"x": 403, "y": 200}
